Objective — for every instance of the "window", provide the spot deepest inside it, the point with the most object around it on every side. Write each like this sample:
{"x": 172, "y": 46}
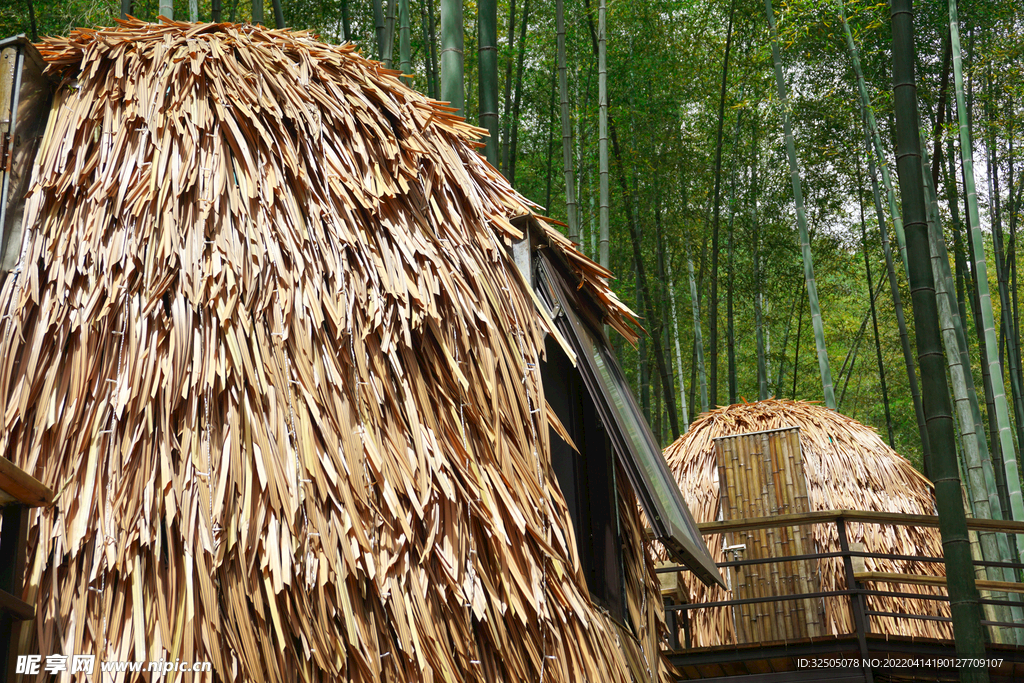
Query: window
{"x": 627, "y": 432}
{"x": 587, "y": 479}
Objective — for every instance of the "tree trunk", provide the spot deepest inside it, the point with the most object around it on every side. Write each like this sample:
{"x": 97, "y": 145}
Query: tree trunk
{"x": 643, "y": 376}
{"x": 487, "y": 33}
{"x": 762, "y": 366}
{"x": 874, "y": 315}
{"x": 649, "y": 311}
{"x": 378, "y": 23}
{"x": 964, "y": 598}
{"x": 713, "y": 313}
{"x": 563, "y": 91}
{"x": 517, "y": 99}
{"x": 780, "y": 378}
{"x": 507, "y": 109}
{"x": 551, "y": 139}
{"x": 995, "y": 373}
{"x": 430, "y": 26}
{"x": 697, "y": 340}
{"x": 675, "y": 335}
{"x": 215, "y": 10}
{"x": 278, "y": 13}
{"x": 602, "y": 131}
{"x": 126, "y": 8}
{"x": 452, "y": 55}
{"x": 404, "y": 41}
{"x": 977, "y": 465}
{"x": 664, "y": 279}
{"x": 876, "y": 140}
{"x": 389, "y": 35}
{"x": 1005, "y": 307}
{"x": 730, "y": 328}
{"x": 801, "y": 219}
{"x": 166, "y": 9}
{"x": 894, "y": 288}
{"x": 796, "y": 354}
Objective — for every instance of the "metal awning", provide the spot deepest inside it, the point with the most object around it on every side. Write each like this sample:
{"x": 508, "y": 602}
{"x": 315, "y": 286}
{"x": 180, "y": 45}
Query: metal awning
{"x": 631, "y": 437}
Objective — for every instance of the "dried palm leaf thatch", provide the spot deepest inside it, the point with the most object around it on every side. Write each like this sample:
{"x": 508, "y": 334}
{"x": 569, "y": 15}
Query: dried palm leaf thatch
{"x": 266, "y": 341}
{"x": 848, "y": 467}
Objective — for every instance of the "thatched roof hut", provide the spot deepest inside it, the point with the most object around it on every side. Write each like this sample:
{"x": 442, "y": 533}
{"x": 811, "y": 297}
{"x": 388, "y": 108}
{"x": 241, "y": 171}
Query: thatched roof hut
{"x": 266, "y": 340}
{"x": 848, "y": 466}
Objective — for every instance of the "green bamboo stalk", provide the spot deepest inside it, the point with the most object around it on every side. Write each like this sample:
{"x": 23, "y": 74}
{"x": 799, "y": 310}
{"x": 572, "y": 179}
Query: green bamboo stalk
{"x": 193, "y": 10}
{"x": 487, "y": 33}
{"x": 346, "y": 24}
{"x": 874, "y": 315}
{"x": 563, "y": 92}
{"x": 1005, "y": 307}
{"x": 801, "y": 219}
{"x": 762, "y": 367}
{"x": 994, "y": 547}
{"x": 517, "y": 101}
{"x": 698, "y": 341}
{"x": 278, "y": 14}
{"x": 963, "y": 594}
{"x": 602, "y": 128}
{"x": 679, "y": 354}
{"x": 215, "y": 10}
{"x": 875, "y": 155}
{"x": 876, "y": 138}
{"x": 404, "y": 41}
{"x": 378, "y": 23}
{"x": 389, "y": 35}
{"x": 166, "y": 9}
{"x": 894, "y": 288}
{"x": 452, "y": 55}
{"x": 991, "y": 344}
{"x": 713, "y": 302}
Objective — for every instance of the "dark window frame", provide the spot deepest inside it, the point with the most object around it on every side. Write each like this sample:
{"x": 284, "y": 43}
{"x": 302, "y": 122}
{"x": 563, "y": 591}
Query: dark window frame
{"x": 578, "y": 320}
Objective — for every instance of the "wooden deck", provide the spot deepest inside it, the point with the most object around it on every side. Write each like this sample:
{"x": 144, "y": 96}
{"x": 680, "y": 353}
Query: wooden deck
{"x": 859, "y": 656}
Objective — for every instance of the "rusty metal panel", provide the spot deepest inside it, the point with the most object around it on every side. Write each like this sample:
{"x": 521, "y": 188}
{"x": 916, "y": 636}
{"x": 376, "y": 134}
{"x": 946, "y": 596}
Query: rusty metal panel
{"x": 761, "y": 474}
{"x": 25, "y": 95}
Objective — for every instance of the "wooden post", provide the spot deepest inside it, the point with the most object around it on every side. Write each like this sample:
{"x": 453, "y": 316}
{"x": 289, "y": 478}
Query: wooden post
{"x": 860, "y": 622}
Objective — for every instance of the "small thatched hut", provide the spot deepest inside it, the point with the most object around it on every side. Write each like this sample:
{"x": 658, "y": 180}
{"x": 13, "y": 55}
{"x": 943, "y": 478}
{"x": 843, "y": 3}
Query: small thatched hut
{"x": 848, "y": 466}
{"x": 266, "y": 338}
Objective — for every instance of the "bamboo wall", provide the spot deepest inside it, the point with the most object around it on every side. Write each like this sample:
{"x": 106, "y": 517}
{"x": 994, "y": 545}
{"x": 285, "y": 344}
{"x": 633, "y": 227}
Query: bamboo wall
{"x": 761, "y": 474}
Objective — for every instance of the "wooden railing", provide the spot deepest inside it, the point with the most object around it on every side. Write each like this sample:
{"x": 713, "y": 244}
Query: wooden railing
{"x": 855, "y": 581}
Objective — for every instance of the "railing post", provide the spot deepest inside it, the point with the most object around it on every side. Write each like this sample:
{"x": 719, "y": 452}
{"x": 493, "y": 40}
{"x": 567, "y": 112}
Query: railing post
{"x": 687, "y": 643}
{"x": 671, "y": 623}
{"x": 860, "y": 621}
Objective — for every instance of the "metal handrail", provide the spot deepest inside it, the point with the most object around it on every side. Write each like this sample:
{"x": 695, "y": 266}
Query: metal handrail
{"x": 858, "y": 595}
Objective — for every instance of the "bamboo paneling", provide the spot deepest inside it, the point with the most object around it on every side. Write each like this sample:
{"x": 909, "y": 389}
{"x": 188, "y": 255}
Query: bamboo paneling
{"x": 847, "y": 466}
{"x": 267, "y": 343}
{"x": 761, "y": 474}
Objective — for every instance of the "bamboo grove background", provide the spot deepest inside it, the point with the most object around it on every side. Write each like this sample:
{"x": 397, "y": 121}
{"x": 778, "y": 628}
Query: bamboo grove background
{"x": 692, "y": 164}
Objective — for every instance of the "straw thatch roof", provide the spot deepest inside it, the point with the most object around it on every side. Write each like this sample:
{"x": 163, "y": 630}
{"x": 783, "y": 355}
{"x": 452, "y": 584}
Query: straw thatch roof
{"x": 848, "y": 466}
{"x": 267, "y": 343}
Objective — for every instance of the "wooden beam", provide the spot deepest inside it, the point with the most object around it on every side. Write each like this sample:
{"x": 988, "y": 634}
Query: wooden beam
{"x": 21, "y": 487}
{"x": 20, "y": 610}
{"x": 868, "y": 516}
{"x": 924, "y": 580}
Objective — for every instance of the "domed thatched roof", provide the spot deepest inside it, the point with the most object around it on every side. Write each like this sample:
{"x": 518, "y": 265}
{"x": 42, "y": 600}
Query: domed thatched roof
{"x": 848, "y": 466}
{"x": 266, "y": 341}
